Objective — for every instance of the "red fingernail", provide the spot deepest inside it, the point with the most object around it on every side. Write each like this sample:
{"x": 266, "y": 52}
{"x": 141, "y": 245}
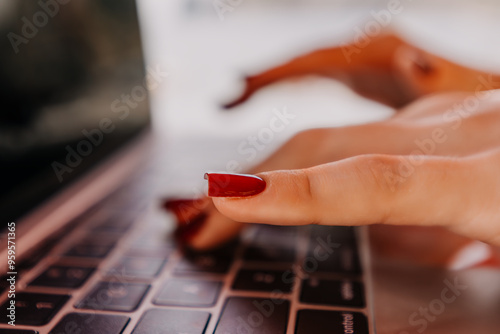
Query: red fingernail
{"x": 185, "y": 232}
{"x": 234, "y": 185}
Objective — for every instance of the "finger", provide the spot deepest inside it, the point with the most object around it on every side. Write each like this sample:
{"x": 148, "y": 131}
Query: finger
{"x": 215, "y": 230}
{"x": 378, "y": 189}
{"x": 393, "y": 138}
{"x": 336, "y": 62}
{"x": 199, "y": 225}
{"x": 329, "y": 144}
{"x": 319, "y": 146}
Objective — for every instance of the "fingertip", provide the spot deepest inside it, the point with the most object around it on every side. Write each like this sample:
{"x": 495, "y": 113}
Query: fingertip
{"x": 215, "y": 232}
{"x": 281, "y": 201}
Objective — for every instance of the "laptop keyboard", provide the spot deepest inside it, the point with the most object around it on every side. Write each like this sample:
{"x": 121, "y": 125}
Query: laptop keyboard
{"x": 63, "y": 276}
{"x": 121, "y": 272}
{"x": 91, "y": 323}
{"x": 35, "y": 309}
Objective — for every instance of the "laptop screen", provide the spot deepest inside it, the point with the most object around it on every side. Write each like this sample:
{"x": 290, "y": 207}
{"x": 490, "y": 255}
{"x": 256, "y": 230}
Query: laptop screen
{"x": 73, "y": 88}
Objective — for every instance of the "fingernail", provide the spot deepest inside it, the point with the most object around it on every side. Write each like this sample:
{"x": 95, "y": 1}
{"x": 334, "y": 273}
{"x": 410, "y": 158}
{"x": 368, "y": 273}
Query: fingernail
{"x": 234, "y": 185}
{"x": 188, "y": 230}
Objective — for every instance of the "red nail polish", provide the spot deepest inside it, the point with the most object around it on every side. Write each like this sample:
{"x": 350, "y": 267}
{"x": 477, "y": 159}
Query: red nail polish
{"x": 186, "y": 231}
{"x": 234, "y": 185}
{"x": 184, "y": 209}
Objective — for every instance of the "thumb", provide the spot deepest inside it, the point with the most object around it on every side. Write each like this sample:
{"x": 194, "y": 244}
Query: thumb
{"x": 362, "y": 190}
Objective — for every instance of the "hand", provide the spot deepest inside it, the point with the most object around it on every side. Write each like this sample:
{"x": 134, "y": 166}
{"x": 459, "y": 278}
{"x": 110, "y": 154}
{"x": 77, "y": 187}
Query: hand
{"x": 385, "y": 68}
{"x": 434, "y": 163}
{"x": 445, "y": 174}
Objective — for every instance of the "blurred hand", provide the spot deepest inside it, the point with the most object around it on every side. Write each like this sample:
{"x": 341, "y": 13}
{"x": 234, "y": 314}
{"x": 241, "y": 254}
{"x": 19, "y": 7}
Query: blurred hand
{"x": 384, "y": 68}
{"x": 435, "y": 163}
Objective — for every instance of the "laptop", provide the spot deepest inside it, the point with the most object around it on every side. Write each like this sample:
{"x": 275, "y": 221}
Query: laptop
{"x": 86, "y": 247}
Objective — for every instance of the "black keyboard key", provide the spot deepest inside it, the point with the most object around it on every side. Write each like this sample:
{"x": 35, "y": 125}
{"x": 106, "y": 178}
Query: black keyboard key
{"x": 64, "y": 277}
{"x": 17, "y": 331}
{"x": 272, "y": 244}
{"x": 189, "y": 292}
{"x": 269, "y": 254}
{"x": 254, "y": 315}
{"x": 336, "y": 233}
{"x": 34, "y": 309}
{"x": 275, "y": 235}
{"x": 334, "y": 250}
{"x": 332, "y": 292}
{"x": 92, "y": 248}
{"x": 152, "y": 243}
{"x": 216, "y": 261}
{"x": 328, "y": 322}
{"x": 137, "y": 267}
{"x": 90, "y": 323}
{"x": 38, "y": 254}
{"x": 114, "y": 296}
{"x": 264, "y": 280}
{"x": 115, "y": 224}
{"x": 203, "y": 263}
{"x": 345, "y": 260}
{"x": 156, "y": 321}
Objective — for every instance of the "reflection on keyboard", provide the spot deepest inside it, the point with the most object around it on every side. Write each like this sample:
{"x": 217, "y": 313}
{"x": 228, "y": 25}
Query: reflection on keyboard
{"x": 122, "y": 273}
{"x": 189, "y": 292}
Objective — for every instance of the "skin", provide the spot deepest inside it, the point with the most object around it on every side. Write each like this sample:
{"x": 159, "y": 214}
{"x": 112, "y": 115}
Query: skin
{"x": 378, "y": 172}
{"x": 355, "y": 176}
{"x": 387, "y": 69}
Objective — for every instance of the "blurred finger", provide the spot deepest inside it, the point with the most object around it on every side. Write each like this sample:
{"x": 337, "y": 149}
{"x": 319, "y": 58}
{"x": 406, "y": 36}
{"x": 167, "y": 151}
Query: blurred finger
{"x": 185, "y": 209}
{"x": 213, "y": 231}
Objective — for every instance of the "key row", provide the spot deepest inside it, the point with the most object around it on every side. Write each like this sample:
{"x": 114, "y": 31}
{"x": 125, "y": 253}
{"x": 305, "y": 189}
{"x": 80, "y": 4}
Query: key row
{"x": 239, "y": 315}
{"x": 38, "y": 309}
{"x": 330, "y": 249}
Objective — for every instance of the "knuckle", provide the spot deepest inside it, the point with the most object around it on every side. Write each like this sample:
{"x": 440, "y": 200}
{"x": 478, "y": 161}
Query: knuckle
{"x": 303, "y": 185}
{"x": 387, "y": 180}
{"x": 307, "y": 192}
{"x": 385, "y": 172}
